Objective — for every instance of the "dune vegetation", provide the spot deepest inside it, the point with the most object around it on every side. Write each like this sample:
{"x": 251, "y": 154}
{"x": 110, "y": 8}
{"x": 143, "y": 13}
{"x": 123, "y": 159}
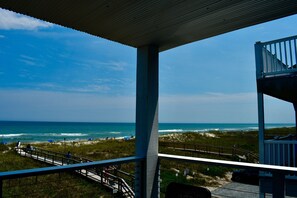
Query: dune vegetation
{"x": 71, "y": 185}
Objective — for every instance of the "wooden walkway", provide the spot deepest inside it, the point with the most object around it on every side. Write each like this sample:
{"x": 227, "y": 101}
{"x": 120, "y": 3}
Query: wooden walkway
{"x": 229, "y": 152}
{"x": 203, "y": 151}
{"x": 115, "y": 183}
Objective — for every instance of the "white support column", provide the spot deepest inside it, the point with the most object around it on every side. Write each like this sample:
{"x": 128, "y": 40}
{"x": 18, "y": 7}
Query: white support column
{"x": 260, "y": 98}
{"x": 259, "y": 75}
{"x": 261, "y": 123}
{"x": 147, "y": 95}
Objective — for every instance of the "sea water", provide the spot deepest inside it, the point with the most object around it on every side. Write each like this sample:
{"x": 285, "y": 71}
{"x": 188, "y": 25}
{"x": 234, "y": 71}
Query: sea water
{"x": 13, "y": 131}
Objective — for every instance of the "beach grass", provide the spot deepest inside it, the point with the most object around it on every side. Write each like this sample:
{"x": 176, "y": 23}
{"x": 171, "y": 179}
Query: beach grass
{"x": 200, "y": 175}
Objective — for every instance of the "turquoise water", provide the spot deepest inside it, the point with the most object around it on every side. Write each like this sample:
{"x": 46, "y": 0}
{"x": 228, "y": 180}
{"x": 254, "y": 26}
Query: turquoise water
{"x": 12, "y": 131}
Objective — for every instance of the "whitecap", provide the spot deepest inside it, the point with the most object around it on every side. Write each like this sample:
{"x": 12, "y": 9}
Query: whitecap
{"x": 73, "y": 134}
{"x": 170, "y": 130}
{"x": 115, "y": 132}
{"x": 12, "y": 135}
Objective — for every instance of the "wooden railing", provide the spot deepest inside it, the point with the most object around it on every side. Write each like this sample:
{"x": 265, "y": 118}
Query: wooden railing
{"x": 109, "y": 176}
{"x": 244, "y": 155}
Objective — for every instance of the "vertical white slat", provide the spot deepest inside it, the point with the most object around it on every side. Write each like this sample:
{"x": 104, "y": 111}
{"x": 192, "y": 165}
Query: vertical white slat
{"x": 269, "y": 151}
{"x": 291, "y": 57}
{"x": 294, "y": 155}
{"x": 295, "y": 47}
{"x": 284, "y": 157}
{"x": 286, "y": 58}
{"x": 280, "y": 54}
{"x": 289, "y": 155}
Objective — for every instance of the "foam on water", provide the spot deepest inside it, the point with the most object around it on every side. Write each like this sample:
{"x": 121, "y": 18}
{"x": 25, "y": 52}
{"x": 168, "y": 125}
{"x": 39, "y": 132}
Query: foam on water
{"x": 11, "y": 135}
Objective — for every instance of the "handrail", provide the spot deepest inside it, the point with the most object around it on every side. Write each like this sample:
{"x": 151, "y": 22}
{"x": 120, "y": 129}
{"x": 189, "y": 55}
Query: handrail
{"x": 280, "y": 141}
{"x": 232, "y": 164}
{"x": 68, "y": 168}
{"x": 280, "y": 40}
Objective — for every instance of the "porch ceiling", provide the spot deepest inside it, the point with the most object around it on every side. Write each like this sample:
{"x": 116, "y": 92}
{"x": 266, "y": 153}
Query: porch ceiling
{"x": 165, "y": 23}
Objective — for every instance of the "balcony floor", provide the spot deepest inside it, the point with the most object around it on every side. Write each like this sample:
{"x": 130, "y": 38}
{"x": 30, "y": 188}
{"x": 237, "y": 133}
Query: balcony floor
{"x": 282, "y": 87}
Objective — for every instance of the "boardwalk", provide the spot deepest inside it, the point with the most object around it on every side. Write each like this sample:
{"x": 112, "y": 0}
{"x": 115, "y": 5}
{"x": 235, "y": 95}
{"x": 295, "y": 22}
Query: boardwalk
{"x": 102, "y": 176}
{"x": 229, "y": 152}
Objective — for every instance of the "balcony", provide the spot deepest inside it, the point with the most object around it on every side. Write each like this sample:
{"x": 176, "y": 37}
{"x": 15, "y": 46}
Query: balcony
{"x": 278, "y": 57}
{"x": 276, "y": 69}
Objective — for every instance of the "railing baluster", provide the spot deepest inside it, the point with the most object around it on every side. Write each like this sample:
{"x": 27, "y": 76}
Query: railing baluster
{"x": 275, "y": 58}
{"x": 289, "y": 154}
{"x": 295, "y": 47}
{"x": 265, "y": 70}
{"x": 280, "y": 53}
{"x": 278, "y": 154}
{"x": 291, "y": 58}
{"x": 284, "y": 157}
{"x": 285, "y": 44}
{"x": 269, "y": 150}
{"x": 294, "y": 155}
{"x": 271, "y": 58}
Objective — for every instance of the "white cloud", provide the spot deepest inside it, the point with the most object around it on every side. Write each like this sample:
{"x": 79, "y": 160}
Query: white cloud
{"x": 117, "y": 66}
{"x": 31, "y": 61}
{"x": 12, "y": 21}
{"x": 89, "y": 88}
{"x": 111, "y": 65}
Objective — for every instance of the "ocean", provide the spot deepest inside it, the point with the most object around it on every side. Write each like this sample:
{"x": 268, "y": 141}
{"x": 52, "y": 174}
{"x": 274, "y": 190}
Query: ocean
{"x": 13, "y": 131}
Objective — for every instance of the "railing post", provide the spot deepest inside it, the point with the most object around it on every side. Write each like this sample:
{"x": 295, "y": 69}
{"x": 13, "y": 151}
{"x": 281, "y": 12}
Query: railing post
{"x": 278, "y": 185}
{"x": 259, "y": 60}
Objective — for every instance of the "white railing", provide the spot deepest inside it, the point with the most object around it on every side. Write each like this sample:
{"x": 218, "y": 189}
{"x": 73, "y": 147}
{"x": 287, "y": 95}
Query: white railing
{"x": 280, "y": 152}
{"x": 278, "y": 183}
{"x": 276, "y": 57}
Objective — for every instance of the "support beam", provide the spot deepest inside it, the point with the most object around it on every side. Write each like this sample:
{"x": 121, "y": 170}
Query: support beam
{"x": 147, "y": 95}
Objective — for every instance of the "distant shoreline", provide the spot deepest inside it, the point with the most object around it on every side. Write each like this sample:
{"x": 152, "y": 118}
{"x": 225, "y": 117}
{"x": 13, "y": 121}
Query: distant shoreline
{"x": 211, "y": 133}
{"x": 13, "y": 131}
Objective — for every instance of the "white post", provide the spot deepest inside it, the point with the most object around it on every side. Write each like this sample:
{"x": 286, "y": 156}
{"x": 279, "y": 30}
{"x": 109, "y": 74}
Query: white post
{"x": 147, "y": 87}
{"x": 259, "y": 75}
{"x": 260, "y": 98}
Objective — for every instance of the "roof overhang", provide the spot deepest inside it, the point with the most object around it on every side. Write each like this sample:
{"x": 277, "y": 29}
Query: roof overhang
{"x": 165, "y": 23}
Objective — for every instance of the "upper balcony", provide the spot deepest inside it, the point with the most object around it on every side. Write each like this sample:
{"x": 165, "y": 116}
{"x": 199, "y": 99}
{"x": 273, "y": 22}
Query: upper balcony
{"x": 279, "y": 57}
{"x": 276, "y": 68}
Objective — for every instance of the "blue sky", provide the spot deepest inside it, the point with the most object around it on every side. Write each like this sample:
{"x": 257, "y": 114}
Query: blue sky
{"x": 51, "y": 73}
